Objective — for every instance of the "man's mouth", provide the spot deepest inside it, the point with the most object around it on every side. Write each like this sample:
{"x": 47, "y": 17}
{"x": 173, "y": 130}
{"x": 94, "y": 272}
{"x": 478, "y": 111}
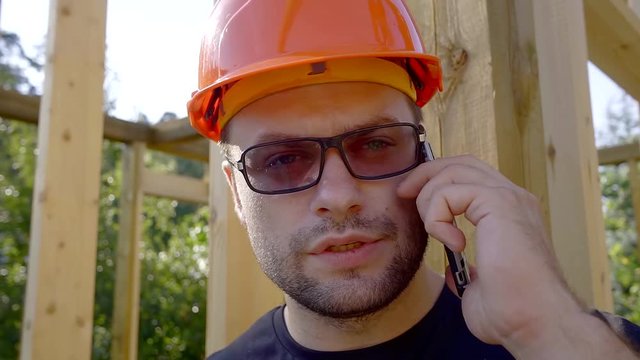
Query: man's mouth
{"x": 345, "y": 247}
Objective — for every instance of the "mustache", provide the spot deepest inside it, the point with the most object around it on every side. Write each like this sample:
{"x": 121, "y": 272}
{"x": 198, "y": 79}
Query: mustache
{"x": 380, "y": 225}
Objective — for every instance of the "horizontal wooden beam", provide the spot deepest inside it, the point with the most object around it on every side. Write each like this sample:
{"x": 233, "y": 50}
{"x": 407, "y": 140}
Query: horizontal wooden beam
{"x": 613, "y": 37}
{"x": 182, "y": 188}
{"x": 194, "y": 150}
{"x": 125, "y": 131}
{"x": 14, "y": 105}
{"x": 174, "y": 131}
{"x": 615, "y": 155}
{"x": 175, "y": 137}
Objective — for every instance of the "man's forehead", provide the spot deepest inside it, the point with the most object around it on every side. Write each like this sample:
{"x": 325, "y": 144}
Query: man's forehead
{"x": 274, "y": 135}
{"x": 319, "y": 111}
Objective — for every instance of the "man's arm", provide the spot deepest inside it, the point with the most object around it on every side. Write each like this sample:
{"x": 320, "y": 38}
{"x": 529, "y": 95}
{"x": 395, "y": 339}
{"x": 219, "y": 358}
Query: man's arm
{"x": 517, "y": 297}
{"x": 581, "y": 336}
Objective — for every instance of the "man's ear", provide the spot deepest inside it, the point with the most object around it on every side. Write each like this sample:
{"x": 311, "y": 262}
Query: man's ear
{"x": 231, "y": 180}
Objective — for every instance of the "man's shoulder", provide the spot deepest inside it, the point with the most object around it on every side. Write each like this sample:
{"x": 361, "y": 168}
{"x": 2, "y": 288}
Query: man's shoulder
{"x": 258, "y": 342}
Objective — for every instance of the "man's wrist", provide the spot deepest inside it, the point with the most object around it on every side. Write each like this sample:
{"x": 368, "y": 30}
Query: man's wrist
{"x": 574, "y": 335}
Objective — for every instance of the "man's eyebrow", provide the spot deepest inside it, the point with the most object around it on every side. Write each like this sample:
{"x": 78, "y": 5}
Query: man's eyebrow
{"x": 373, "y": 121}
{"x": 274, "y": 136}
{"x": 277, "y": 136}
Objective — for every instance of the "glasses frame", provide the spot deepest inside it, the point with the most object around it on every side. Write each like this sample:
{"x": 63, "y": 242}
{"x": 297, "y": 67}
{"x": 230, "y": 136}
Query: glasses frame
{"x": 336, "y": 142}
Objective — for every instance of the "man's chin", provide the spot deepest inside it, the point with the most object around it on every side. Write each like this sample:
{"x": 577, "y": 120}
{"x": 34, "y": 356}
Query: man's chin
{"x": 348, "y": 297}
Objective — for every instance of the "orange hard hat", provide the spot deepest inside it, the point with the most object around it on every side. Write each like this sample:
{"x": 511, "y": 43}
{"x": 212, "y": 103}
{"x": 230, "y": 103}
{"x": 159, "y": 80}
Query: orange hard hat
{"x": 263, "y": 46}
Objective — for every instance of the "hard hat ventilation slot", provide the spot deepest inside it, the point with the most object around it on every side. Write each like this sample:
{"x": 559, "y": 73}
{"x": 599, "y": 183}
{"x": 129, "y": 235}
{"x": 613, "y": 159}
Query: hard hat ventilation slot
{"x": 318, "y": 68}
{"x": 416, "y": 74}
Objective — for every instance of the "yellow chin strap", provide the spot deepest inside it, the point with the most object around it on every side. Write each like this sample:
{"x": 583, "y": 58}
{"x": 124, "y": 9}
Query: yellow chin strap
{"x": 372, "y": 70}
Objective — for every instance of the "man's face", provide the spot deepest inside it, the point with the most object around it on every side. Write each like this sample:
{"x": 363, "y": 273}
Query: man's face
{"x": 345, "y": 247}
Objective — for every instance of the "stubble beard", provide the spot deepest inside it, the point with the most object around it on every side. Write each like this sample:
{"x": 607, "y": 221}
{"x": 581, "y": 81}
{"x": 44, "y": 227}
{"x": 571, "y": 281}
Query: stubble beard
{"x": 353, "y": 295}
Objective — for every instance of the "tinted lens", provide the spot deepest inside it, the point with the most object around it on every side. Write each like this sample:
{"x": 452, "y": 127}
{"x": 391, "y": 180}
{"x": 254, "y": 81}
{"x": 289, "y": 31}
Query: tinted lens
{"x": 283, "y": 166}
{"x": 381, "y": 151}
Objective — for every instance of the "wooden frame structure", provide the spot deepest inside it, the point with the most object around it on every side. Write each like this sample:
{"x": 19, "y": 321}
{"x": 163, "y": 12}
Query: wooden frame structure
{"x": 628, "y": 154}
{"x": 138, "y": 182}
{"x": 516, "y": 96}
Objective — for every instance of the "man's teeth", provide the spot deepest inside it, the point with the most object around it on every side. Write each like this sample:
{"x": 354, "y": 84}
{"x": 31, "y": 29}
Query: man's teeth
{"x": 346, "y": 247}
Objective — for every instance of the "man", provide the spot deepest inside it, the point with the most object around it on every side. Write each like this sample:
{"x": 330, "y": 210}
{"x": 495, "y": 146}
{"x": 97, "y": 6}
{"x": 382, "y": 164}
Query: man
{"x": 316, "y": 104}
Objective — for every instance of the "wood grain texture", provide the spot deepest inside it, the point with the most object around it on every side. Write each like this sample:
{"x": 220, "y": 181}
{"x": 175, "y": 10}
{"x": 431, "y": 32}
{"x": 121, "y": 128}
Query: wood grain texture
{"x": 614, "y": 155}
{"x": 577, "y": 226}
{"x": 238, "y": 293}
{"x": 58, "y": 313}
{"x": 613, "y": 35}
{"x": 515, "y": 97}
{"x": 181, "y": 188}
{"x": 217, "y": 283}
{"x": 126, "y": 304}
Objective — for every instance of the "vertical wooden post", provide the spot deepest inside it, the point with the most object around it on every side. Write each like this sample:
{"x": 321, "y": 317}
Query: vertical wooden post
{"x": 634, "y": 184}
{"x": 126, "y": 308}
{"x": 218, "y": 235}
{"x": 572, "y": 162}
{"x": 238, "y": 292}
{"x": 58, "y": 313}
{"x": 516, "y": 97}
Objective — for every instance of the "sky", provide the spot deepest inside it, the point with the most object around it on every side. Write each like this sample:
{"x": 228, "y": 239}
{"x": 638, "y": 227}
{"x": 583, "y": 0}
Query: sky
{"x": 152, "y": 54}
{"x": 152, "y": 49}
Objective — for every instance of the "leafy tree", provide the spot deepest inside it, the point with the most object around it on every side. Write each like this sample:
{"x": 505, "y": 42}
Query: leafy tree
{"x": 173, "y": 271}
{"x": 621, "y": 236}
{"x": 13, "y": 63}
{"x": 17, "y": 167}
{"x": 174, "y": 248}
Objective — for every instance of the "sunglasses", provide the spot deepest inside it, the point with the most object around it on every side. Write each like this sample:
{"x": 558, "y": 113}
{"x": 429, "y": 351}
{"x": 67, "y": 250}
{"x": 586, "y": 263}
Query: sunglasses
{"x": 371, "y": 153}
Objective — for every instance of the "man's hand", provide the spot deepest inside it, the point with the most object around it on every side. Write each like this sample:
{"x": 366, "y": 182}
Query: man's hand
{"x": 517, "y": 296}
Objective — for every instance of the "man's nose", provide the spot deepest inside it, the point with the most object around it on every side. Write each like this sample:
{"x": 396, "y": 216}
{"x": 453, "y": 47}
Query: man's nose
{"x": 338, "y": 194}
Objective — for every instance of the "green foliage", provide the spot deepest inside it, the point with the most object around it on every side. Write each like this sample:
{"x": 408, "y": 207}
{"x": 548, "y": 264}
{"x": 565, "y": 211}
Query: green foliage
{"x": 622, "y": 239}
{"x": 173, "y": 269}
{"x": 13, "y": 62}
{"x": 174, "y": 249}
{"x": 17, "y": 168}
{"x": 17, "y": 165}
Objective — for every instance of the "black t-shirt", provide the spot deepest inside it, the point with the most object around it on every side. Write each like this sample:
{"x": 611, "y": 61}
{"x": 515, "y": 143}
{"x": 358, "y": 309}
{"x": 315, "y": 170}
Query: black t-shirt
{"x": 441, "y": 334}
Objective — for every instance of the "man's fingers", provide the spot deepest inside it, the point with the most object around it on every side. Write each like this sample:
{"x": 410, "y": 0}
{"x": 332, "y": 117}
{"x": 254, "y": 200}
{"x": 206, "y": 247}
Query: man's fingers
{"x": 439, "y": 209}
{"x": 453, "y": 170}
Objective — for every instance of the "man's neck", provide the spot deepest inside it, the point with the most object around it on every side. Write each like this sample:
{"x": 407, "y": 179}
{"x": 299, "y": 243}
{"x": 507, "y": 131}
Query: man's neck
{"x": 326, "y": 334}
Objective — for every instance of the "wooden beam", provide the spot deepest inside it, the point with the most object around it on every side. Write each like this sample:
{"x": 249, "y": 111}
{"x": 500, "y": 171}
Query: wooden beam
{"x": 613, "y": 35}
{"x": 618, "y": 154}
{"x": 175, "y": 137}
{"x": 196, "y": 149}
{"x": 182, "y": 188}
{"x": 58, "y": 313}
{"x": 572, "y": 162}
{"x": 126, "y": 304}
{"x": 174, "y": 131}
{"x": 16, "y": 106}
{"x": 515, "y": 80}
{"x": 463, "y": 118}
{"x": 125, "y": 131}
{"x": 216, "y": 332}
{"x": 238, "y": 292}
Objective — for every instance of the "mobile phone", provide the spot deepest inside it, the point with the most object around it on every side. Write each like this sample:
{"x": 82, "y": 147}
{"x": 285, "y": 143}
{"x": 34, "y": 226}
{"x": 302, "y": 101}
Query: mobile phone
{"x": 457, "y": 260}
